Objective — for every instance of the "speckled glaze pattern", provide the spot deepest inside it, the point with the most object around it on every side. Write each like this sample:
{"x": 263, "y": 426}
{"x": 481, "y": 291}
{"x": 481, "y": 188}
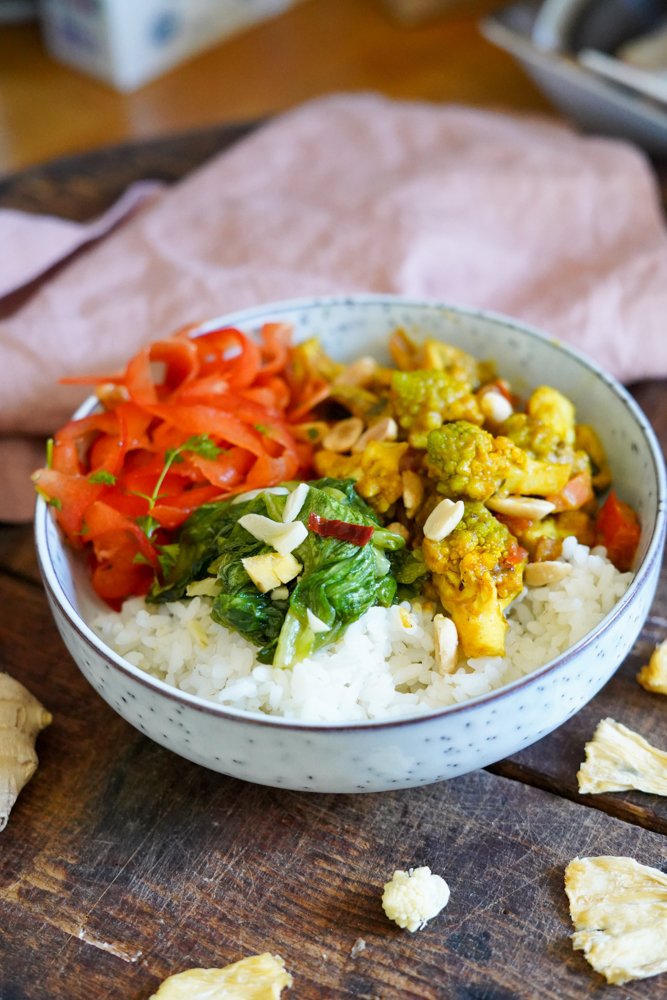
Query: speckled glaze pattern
{"x": 375, "y": 756}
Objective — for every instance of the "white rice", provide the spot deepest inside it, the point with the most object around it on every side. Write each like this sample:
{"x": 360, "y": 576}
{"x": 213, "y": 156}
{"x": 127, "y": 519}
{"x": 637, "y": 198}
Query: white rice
{"x": 382, "y": 667}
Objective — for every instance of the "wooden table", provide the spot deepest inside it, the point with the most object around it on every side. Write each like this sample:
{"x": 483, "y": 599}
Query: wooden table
{"x": 123, "y": 863}
{"x": 47, "y": 110}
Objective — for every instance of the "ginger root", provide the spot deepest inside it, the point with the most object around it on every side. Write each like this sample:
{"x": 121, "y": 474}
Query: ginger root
{"x": 21, "y": 718}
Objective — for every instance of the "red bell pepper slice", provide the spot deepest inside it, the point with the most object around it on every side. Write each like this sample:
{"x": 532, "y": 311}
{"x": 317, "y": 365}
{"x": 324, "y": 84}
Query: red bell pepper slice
{"x": 357, "y": 534}
{"x": 276, "y": 339}
{"x": 230, "y": 353}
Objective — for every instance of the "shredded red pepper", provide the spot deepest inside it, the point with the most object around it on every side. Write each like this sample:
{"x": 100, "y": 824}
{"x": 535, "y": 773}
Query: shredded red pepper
{"x": 236, "y": 395}
{"x": 358, "y": 534}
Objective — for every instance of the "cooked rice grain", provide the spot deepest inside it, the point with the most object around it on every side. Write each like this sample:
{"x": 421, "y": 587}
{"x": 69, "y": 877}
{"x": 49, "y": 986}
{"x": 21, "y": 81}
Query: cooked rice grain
{"x": 383, "y": 666}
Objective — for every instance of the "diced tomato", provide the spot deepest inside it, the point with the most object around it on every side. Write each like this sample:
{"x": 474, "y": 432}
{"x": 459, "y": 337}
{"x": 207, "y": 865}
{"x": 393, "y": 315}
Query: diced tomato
{"x": 619, "y": 531}
{"x": 515, "y": 554}
{"x": 117, "y": 574}
{"x": 575, "y": 494}
{"x": 357, "y": 534}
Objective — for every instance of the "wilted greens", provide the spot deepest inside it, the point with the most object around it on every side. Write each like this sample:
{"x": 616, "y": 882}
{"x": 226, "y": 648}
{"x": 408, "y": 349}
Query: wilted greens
{"x": 338, "y": 583}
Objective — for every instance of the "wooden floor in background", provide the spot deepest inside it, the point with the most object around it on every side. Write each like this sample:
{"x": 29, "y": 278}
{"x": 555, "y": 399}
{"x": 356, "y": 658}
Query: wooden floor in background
{"x": 123, "y": 863}
{"x": 316, "y": 47}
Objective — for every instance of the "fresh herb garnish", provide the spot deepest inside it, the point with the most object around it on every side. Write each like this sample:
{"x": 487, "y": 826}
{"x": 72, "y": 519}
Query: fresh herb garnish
{"x": 102, "y": 476}
{"x": 148, "y": 525}
{"x": 49, "y": 453}
{"x": 200, "y": 444}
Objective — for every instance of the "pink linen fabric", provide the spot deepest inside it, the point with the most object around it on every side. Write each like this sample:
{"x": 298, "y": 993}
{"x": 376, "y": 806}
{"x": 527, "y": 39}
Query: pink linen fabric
{"x": 355, "y": 193}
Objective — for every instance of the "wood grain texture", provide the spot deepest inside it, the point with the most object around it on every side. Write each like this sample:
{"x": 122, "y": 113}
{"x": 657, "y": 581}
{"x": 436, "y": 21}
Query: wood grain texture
{"x": 318, "y": 46}
{"x": 123, "y": 863}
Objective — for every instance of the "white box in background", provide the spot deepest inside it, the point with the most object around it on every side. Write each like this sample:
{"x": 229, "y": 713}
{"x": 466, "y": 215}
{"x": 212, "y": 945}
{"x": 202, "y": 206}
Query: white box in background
{"x": 128, "y": 42}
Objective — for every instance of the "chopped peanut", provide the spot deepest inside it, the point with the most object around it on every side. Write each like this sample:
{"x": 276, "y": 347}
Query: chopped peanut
{"x": 343, "y": 435}
{"x": 529, "y": 507}
{"x": 446, "y": 644}
{"x": 443, "y": 519}
{"x": 398, "y": 529}
{"x": 537, "y": 574}
{"x": 359, "y": 373}
{"x": 413, "y": 492}
{"x": 385, "y": 430}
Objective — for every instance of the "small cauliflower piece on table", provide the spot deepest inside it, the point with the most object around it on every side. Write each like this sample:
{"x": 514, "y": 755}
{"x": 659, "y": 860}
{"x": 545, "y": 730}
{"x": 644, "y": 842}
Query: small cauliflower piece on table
{"x": 617, "y": 760}
{"x": 619, "y": 911}
{"x": 259, "y": 977}
{"x": 414, "y": 897}
{"x": 477, "y": 570}
{"x": 653, "y": 676}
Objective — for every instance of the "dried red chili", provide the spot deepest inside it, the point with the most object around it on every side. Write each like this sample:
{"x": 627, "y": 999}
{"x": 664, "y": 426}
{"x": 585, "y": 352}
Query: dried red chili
{"x": 357, "y": 534}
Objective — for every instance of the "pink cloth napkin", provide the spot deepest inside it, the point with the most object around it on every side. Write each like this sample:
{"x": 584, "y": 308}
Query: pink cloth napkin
{"x": 355, "y": 193}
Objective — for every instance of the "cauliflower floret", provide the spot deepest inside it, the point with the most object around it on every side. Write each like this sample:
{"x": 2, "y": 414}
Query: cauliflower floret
{"x": 653, "y": 676}
{"x": 376, "y": 471}
{"x": 477, "y": 570}
{"x": 424, "y": 400}
{"x": 409, "y": 356}
{"x": 414, "y": 897}
{"x": 259, "y": 977}
{"x": 546, "y": 430}
{"x": 617, "y": 759}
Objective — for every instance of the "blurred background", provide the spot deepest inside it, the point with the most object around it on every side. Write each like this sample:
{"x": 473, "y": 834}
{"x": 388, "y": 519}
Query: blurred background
{"x": 117, "y": 70}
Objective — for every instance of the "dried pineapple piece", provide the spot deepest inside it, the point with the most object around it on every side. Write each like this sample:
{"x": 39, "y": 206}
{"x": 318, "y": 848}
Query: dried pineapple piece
{"x": 259, "y": 977}
{"x": 617, "y": 760}
{"x": 653, "y": 677}
{"x": 619, "y": 910}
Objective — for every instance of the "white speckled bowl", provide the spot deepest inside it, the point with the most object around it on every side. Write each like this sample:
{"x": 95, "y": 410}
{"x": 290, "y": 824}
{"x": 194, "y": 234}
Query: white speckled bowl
{"x": 373, "y": 756}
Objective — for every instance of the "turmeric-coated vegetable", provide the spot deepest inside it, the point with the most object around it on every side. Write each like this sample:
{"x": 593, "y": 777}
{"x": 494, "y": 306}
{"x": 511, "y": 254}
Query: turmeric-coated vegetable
{"x": 477, "y": 570}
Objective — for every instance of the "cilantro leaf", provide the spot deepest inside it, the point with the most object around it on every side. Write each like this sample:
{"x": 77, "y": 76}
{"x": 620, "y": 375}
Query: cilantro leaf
{"x": 141, "y": 559}
{"x": 148, "y": 525}
{"x": 102, "y": 476}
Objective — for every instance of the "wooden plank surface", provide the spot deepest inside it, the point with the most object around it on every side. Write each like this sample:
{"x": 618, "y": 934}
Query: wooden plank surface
{"x": 318, "y": 46}
{"x": 123, "y": 863}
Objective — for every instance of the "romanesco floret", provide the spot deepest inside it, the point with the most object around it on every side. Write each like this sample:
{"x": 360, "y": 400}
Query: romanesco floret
{"x": 414, "y": 897}
{"x": 464, "y": 459}
{"x": 424, "y": 400}
{"x": 477, "y": 570}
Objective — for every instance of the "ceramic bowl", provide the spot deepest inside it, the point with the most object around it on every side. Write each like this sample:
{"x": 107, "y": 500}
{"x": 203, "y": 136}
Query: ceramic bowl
{"x": 377, "y": 755}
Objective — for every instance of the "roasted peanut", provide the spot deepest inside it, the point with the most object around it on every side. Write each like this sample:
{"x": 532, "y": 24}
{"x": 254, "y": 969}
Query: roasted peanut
{"x": 537, "y": 574}
{"x": 398, "y": 529}
{"x": 343, "y": 435}
{"x": 359, "y": 373}
{"x": 528, "y": 507}
{"x": 446, "y": 640}
{"x": 443, "y": 519}
{"x": 385, "y": 430}
{"x": 413, "y": 492}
